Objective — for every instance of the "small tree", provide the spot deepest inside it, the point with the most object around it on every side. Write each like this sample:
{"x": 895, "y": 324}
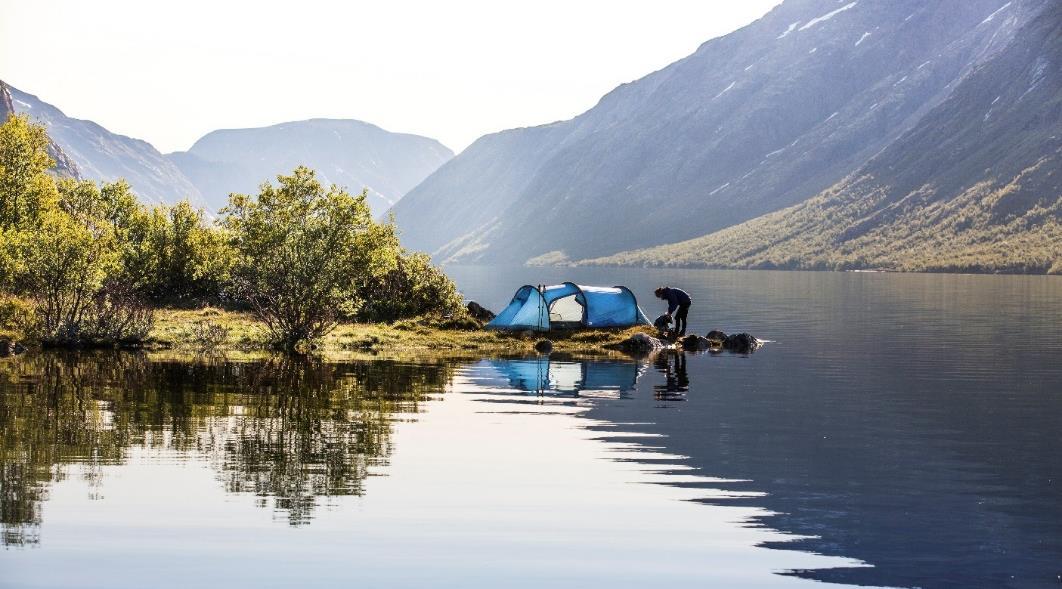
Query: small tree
{"x": 168, "y": 253}
{"x": 302, "y": 252}
{"x": 25, "y": 189}
{"x": 171, "y": 255}
{"x": 67, "y": 261}
{"x": 414, "y": 287}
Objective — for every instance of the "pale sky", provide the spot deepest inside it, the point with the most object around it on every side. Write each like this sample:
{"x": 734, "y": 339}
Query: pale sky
{"x": 170, "y": 71}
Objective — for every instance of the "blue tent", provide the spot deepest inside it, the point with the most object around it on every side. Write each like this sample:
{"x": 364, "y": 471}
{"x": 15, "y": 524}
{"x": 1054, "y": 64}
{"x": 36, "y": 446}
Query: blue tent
{"x": 570, "y": 305}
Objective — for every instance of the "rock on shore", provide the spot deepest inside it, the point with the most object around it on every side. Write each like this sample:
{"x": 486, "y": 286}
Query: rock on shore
{"x": 639, "y": 343}
{"x": 742, "y": 343}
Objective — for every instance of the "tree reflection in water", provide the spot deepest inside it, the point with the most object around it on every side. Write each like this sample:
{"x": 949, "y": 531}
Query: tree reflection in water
{"x": 289, "y": 431}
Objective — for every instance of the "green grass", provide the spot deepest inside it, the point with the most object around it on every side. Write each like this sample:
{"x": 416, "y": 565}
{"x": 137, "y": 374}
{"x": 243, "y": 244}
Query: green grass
{"x": 176, "y": 329}
{"x": 857, "y": 225}
{"x": 211, "y": 330}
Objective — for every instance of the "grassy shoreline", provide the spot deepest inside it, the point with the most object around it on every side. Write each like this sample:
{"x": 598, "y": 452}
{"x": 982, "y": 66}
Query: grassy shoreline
{"x": 185, "y": 330}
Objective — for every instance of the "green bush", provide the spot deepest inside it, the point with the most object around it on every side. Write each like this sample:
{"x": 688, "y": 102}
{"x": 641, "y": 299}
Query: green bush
{"x": 116, "y": 315}
{"x": 16, "y": 317}
{"x": 67, "y": 261}
{"x": 414, "y": 287}
{"x": 26, "y": 190}
{"x": 70, "y": 265}
{"x": 302, "y": 253}
{"x": 168, "y": 254}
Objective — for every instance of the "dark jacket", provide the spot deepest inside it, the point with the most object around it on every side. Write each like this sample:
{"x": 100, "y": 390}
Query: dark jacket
{"x": 676, "y": 298}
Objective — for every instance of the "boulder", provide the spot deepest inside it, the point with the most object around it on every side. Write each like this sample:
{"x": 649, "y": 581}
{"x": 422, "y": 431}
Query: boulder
{"x": 544, "y": 346}
{"x": 639, "y": 343}
{"x": 741, "y": 343}
{"x": 695, "y": 343}
{"x": 480, "y": 312}
{"x": 717, "y": 336}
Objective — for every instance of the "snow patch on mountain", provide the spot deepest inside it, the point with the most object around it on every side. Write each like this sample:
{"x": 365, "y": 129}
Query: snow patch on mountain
{"x": 993, "y": 15}
{"x": 789, "y": 30}
{"x": 828, "y": 15}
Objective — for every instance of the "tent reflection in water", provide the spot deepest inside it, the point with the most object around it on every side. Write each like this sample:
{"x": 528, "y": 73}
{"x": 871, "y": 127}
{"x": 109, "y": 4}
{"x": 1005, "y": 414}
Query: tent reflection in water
{"x": 569, "y": 305}
{"x": 590, "y": 378}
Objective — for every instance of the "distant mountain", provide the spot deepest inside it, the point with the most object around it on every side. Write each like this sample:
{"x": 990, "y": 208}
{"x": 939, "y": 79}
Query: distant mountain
{"x": 99, "y": 154}
{"x": 63, "y": 166}
{"x": 751, "y": 123}
{"x": 349, "y": 153}
{"x": 975, "y": 186}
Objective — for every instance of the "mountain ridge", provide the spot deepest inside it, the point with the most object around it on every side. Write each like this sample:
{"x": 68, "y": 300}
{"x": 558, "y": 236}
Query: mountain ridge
{"x": 347, "y": 152}
{"x": 707, "y": 142}
{"x": 387, "y": 163}
{"x": 102, "y": 155}
{"x": 931, "y": 214}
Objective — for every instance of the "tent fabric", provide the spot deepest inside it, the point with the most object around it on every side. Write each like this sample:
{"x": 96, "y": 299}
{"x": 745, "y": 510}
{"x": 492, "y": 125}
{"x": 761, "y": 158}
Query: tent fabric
{"x": 526, "y": 311}
{"x": 538, "y": 309}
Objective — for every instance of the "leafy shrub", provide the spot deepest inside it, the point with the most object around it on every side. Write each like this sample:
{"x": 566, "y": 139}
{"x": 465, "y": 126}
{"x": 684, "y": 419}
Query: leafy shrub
{"x": 16, "y": 316}
{"x": 414, "y": 287}
{"x": 302, "y": 252}
{"x": 26, "y": 190}
{"x": 117, "y": 314}
{"x": 169, "y": 254}
{"x": 67, "y": 261}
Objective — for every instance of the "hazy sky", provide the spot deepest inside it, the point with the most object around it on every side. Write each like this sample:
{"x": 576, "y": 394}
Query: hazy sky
{"x": 170, "y": 71}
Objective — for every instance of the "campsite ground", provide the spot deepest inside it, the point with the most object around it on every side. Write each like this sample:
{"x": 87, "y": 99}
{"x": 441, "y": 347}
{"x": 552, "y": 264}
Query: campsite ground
{"x": 221, "y": 330}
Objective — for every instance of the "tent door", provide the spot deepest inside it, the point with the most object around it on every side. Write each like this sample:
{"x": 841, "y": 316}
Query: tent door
{"x": 567, "y": 312}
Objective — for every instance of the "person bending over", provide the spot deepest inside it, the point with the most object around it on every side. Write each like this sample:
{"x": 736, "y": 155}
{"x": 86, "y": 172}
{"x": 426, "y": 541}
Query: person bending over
{"x": 678, "y": 306}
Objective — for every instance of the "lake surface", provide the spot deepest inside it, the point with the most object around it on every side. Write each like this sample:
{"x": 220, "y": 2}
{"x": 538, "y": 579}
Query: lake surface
{"x": 898, "y": 430}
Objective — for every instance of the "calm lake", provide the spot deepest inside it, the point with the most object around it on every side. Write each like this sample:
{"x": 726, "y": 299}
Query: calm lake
{"x": 898, "y": 430}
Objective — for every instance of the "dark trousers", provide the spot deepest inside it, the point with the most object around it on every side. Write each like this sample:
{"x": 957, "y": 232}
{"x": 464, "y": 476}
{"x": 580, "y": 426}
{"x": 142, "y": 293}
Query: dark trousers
{"x": 680, "y": 319}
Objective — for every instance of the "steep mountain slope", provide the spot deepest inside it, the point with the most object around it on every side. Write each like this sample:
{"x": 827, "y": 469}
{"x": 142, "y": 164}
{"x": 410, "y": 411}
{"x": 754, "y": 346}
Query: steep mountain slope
{"x": 101, "y": 155}
{"x": 346, "y": 152}
{"x": 63, "y": 165}
{"x": 975, "y": 186}
{"x": 752, "y": 122}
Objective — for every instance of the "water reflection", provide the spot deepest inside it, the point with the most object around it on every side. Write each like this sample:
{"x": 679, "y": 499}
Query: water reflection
{"x": 905, "y": 478}
{"x": 928, "y": 481}
{"x": 562, "y": 376}
{"x": 676, "y": 380}
{"x": 289, "y": 432}
{"x": 935, "y": 479}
